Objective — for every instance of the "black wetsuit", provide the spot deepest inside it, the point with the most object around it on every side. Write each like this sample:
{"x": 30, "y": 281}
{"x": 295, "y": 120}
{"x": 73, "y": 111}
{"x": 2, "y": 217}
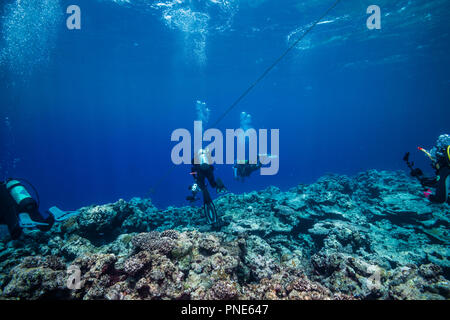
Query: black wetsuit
{"x": 440, "y": 182}
{"x": 244, "y": 170}
{"x": 442, "y": 186}
{"x": 10, "y": 210}
{"x": 203, "y": 173}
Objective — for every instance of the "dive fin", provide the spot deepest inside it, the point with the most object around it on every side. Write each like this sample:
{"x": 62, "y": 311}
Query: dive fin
{"x": 26, "y": 222}
{"x": 60, "y": 215}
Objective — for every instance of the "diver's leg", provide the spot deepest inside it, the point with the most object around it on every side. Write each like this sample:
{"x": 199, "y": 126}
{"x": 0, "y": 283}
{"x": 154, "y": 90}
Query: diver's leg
{"x": 8, "y": 211}
{"x": 200, "y": 180}
{"x": 211, "y": 179}
{"x": 206, "y": 197}
{"x": 12, "y": 222}
{"x": 442, "y": 187}
{"x": 35, "y": 215}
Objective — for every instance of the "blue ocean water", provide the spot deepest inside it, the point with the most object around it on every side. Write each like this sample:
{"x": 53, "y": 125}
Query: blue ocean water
{"x": 86, "y": 115}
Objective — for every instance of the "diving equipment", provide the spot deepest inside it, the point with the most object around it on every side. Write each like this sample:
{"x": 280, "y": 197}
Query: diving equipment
{"x": 208, "y": 208}
{"x": 210, "y": 212}
{"x": 203, "y": 158}
{"x": 61, "y": 215}
{"x": 21, "y": 196}
{"x": 26, "y": 222}
{"x": 417, "y": 172}
{"x": 426, "y": 153}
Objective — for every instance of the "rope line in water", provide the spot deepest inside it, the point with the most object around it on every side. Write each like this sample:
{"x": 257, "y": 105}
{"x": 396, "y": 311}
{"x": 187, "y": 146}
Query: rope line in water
{"x": 259, "y": 79}
{"x": 273, "y": 65}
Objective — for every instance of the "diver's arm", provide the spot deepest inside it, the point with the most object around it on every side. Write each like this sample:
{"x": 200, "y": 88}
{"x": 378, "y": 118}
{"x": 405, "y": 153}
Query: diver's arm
{"x": 428, "y": 181}
{"x": 211, "y": 178}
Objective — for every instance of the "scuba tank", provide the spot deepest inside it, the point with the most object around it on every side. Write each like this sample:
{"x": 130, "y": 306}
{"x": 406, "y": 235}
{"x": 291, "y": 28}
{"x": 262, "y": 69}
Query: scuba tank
{"x": 27, "y": 208}
{"x": 443, "y": 157}
{"x": 203, "y": 158}
{"x": 19, "y": 193}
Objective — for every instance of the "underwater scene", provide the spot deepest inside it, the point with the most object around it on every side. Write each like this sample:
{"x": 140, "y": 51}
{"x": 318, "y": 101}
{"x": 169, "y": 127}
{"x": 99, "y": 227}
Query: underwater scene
{"x": 224, "y": 150}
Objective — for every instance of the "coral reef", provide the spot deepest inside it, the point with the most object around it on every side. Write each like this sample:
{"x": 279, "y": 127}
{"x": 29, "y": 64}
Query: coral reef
{"x": 371, "y": 236}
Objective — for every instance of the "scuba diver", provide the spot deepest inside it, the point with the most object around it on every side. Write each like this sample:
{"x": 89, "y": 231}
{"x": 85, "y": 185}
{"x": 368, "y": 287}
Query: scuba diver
{"x": 201, "y": 171}
{"x": 243, "y": 169}
{"x": 19, "y": 210}
{"x": 440, "y": 161}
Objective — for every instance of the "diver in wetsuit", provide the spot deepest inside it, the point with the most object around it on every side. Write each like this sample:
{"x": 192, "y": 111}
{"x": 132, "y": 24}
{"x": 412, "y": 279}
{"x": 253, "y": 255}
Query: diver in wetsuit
{"x": 441, "y": 182}
{"x": 243, "y": 169}
{"x": 201, "y": 171}
{"x": 19, "y": 210}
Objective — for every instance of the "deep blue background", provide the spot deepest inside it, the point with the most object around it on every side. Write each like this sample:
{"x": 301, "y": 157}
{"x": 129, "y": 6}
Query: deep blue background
{"x": 94, "y": 125}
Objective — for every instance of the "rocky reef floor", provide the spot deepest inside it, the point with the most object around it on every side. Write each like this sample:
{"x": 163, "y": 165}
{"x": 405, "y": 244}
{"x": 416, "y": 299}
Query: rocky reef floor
{"x": 372, "y": 236}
